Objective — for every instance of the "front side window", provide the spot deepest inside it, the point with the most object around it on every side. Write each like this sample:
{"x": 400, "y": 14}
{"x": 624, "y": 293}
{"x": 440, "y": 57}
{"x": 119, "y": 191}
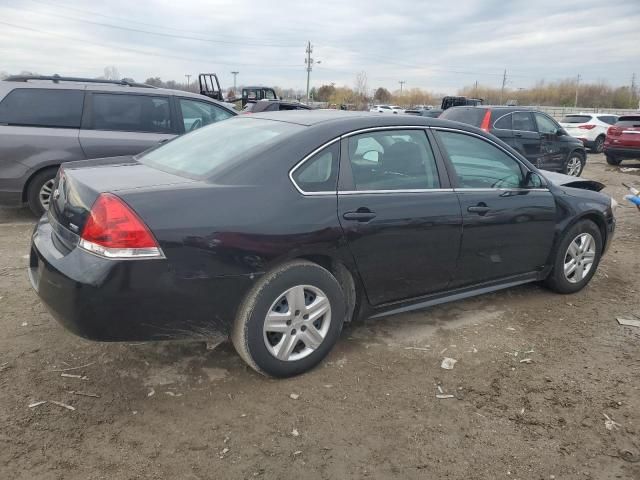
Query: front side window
{"x": 55, "y": 108}
{"x": 197, "y": 114}
{"x": 523, "y": 121}
{"x": 131, "y": 113}
{"x": 393, "y": 160}
{"x": 320, "y": 172}
{"x": 479, "y": 164}
{"x": 546, "y": 125}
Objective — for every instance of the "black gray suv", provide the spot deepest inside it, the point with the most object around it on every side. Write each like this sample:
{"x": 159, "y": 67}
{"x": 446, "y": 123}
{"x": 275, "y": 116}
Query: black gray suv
{"x": 534, "y": 134}
{"x": 45, "y": 121}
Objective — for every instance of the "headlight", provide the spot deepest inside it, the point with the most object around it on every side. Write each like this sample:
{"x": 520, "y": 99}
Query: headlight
{"x": 614, "y": 204}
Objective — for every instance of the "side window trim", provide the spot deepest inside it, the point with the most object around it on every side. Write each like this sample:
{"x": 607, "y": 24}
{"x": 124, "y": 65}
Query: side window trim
{"x": 451, "y": 170}
{"x": 304, "y": 160}
{"x": 500, "y": 118}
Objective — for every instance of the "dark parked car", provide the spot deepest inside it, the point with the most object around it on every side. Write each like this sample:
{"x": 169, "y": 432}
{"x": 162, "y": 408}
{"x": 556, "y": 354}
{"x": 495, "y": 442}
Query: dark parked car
{"x": 449, "y": 102}
{"x": 276, "y": 228}
{"x": 273, "y": 106}
{"x": 534, "y": 134}
{"x": 45, "y": 121}
{"x": 623, "y": 140}
{"x": 425, "y": 112}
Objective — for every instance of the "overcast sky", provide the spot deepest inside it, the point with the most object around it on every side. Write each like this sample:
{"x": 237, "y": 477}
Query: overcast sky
{"x": 436, "y": 45}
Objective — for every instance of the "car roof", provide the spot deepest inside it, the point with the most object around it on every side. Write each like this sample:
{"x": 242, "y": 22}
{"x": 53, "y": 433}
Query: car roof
{"x": 349, "y": 120}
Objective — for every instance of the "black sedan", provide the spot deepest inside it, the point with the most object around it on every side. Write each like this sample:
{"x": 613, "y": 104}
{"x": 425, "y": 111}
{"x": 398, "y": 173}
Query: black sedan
{"x": 276, "y": 228}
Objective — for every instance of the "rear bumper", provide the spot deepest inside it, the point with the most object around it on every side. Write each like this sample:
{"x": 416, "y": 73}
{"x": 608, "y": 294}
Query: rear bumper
{"x": 134, "y": 300}
{"x": 621, "y": 152}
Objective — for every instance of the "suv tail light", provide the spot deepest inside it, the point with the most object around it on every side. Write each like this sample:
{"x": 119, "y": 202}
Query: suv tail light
{"x": 113, "y": 230}
{"x": 485, "y": 121}
{"x": 614, "y": 131}
{"x": 587, "y": 127}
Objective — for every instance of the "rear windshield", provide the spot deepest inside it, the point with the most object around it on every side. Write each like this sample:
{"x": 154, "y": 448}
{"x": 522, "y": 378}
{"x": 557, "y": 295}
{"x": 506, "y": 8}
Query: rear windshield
{"x": 199, "y": 153}
{"x": 576, "y": 119}
{"x": 469, "y": 115}
{"x": 629, "y": 121}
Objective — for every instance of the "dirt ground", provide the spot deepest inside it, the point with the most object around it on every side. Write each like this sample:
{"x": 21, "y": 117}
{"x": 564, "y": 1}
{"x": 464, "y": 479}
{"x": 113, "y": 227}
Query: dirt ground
{"x": 177, "y": 410}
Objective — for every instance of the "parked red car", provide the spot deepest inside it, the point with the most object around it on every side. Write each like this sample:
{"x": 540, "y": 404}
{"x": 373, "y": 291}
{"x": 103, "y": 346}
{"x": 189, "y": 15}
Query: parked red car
{"x": 623, "y": 140}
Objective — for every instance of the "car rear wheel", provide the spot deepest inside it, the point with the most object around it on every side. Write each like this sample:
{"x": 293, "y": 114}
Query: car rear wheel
{"x": 577, "y": 258}
{"x": 40, "y": 190}
{"x": 573, "y": 165}
{"x": 598, "y": 145}
{"x": 611, "y": 160}
{"x": 290, "y": 320}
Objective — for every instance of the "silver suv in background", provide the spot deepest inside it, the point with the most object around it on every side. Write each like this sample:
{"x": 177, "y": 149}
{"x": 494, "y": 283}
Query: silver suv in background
{"x": 45, "y": 121}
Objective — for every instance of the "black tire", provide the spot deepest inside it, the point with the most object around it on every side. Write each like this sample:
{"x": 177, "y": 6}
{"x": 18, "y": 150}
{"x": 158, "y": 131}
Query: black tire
{"x": 34, "y": 187}
{"x": 598, "y": 145}
{"x": 248, "y": 336}
{"x": 557, "y": 280}
{"x": 566, "y": 167}
{"x": 611, "y": 160}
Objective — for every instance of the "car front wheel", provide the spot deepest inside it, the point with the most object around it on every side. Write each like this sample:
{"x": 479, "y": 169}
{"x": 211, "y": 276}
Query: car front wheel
{"x": 290, "y": 320}
{"x": 573, "y": 165}
{"x": 576, "y": 258}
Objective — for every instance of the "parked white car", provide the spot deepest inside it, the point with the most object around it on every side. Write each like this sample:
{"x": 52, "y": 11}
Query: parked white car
{"x": 591, "y": 128}
{"x": 387, "y": 109}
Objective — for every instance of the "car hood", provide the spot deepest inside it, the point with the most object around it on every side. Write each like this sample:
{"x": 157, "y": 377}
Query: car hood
{"x": 562, "y": 180}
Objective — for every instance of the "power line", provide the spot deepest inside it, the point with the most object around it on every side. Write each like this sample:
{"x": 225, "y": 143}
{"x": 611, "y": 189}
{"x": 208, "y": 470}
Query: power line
{"x": 82, "y": 41}
{"x": 158, "y": 34}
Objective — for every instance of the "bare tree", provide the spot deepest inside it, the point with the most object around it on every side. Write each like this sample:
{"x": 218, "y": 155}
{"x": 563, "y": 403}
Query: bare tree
{"x": 111, "y": 73}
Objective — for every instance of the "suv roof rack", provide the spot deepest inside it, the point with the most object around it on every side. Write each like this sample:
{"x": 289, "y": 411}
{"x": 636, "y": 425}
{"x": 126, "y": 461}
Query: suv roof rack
{"x": 57, "y": 78}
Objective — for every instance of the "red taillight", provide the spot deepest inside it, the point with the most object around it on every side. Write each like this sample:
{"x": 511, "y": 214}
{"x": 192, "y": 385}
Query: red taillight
{"x": 113, "y": 230}
{"x": 614, "y": 131}
{"x": 587, "y": 127}
{"x": 485, "y": 121}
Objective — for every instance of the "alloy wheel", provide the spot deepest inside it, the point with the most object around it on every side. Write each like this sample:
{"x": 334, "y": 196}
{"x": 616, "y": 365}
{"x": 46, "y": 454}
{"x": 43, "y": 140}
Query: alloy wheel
{"x": 578, "y": 261}
{"x": 599, "y": 147}
{"x": 297, "y": 323}
{"x": 45, "y": 193}
{"x": 574, "y": 166}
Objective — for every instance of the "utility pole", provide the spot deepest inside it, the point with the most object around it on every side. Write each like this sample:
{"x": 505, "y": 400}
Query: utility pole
{"x": 504, "y": 83}
{"x": 235, "y": 74}
{"x": 577, "y": 88}
{"x": 475, "y": 89}
{"x": 309, "y": 63}
{"x": 633, "y": 90}
{"x": 401, "y": 82}
{"x": 188, "y": 81}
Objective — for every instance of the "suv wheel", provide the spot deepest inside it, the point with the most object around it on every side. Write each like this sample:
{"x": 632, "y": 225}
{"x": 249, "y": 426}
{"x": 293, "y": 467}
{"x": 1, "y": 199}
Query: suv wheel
{"x": 573, "y": 165}
{"x": 40, "y": 190}
{"x": 576, "y": 258}
{"x": 598, "y": 145}
{"x": 290, "y": 320}
{"x": 611, "y": 160}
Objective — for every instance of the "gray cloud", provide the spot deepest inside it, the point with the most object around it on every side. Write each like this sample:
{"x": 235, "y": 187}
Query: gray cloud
{"x": 438, "y": 45}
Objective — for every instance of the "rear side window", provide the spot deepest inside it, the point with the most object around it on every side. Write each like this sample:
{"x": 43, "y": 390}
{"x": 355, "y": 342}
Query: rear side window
{"x": 610, "y": 119}
{"x": 523, "y": 121}
{"x": 320, "y": 172}
{"x": 504, "y": 123}
{"x": 131, "y": 113}
{"x": 577, "y": 119}
{"x": 42, "y": 108}
{"x": 629, "y": 121}
{"x": 470, "y": 115}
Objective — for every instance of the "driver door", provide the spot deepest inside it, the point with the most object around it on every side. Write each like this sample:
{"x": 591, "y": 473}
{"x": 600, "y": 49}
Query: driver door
{"x": 508, "y": 226}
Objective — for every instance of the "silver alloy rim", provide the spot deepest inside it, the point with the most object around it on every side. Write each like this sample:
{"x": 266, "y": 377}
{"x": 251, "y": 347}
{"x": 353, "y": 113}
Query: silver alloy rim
{"x": 574, "y": 166}
{"x": 45, "y": 193}
{"x": 579, "y": 258}
{"x": 297, "y": 323}
{"x": 599, "y": 145}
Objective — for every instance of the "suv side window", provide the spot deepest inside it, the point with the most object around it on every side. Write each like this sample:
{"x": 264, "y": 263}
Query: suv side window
{"x": 504, "y": 123}
{"x": 320, "y": 172}
{"x": 610, "y": 119}
{"x": 546, "y": 125}
{"x": 131, "y": 113}
{"x": 523, "y": 121}
{"x": 196, "y": 114}
{"x": 393, "y": 160}
{"x": 479, "y": 164}
{"x": 40, "y": 107}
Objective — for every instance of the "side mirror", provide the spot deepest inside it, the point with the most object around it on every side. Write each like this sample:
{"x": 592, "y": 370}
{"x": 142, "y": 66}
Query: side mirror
{"x": 533, "y": 180}
{"x": 560, "y": 132}
{"x": 372, "y": 156}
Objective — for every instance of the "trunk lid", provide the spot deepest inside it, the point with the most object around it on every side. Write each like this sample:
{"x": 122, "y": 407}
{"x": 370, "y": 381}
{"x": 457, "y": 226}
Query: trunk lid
{"x": 78, "y": 184}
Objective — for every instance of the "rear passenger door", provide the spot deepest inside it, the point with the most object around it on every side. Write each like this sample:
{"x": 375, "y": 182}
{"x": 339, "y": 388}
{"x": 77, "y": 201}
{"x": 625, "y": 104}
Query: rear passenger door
{"x": 117, "y": 124}
{"x": 399, "y": 215}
